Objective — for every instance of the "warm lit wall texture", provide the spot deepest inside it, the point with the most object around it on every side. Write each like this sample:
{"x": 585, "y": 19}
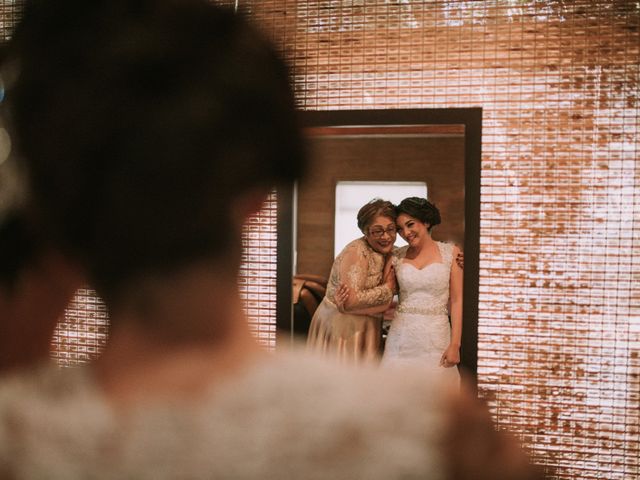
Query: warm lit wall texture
{"x": 558, "y": 81}
{"x": 559, "y": 317}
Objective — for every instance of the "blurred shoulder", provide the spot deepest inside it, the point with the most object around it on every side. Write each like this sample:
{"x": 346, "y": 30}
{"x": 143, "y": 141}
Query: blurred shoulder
{"x": 356, "y": 416}
{"x": 43, "y": 411}
{"x": 44, "y": 381}
{"x": 362, "y": 390}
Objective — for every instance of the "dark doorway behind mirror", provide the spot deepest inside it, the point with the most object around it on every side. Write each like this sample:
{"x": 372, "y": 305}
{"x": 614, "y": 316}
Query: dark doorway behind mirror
{"x": 437, "y": 147}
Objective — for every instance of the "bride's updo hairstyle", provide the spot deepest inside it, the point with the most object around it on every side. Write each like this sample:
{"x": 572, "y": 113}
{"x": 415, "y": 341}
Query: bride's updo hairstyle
{"x": 420, "y": 208}
{"x": 375, "y": 208}
{"x": 140, "y": 123}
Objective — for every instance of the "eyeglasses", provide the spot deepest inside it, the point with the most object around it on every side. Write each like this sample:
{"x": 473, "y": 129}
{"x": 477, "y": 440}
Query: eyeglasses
{"x": 378, "y": 232}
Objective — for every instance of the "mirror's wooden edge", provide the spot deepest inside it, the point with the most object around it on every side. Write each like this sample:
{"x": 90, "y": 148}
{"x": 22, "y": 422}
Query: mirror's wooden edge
{"x": 284, "y": 265}
{"x": 473, "y": 155}
{"x": 397, "y": 116}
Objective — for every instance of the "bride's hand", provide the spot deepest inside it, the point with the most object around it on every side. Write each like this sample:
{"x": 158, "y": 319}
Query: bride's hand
{"x": 450, "y": 357}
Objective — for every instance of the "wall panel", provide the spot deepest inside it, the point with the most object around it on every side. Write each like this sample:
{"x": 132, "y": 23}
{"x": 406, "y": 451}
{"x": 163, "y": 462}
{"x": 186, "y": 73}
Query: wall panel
{"x": 559, "y": 319}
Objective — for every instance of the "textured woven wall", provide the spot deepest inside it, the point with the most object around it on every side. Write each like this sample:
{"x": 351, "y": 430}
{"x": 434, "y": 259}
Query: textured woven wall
{"x": 558, "y": 81}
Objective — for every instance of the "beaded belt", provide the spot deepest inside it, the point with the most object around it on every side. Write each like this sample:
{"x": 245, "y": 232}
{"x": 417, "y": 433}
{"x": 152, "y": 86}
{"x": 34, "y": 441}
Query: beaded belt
{"x": 433, "y": 310}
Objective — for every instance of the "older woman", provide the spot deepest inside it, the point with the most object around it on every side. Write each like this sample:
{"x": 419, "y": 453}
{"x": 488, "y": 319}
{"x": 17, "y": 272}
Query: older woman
{"x": 352, "y": 331}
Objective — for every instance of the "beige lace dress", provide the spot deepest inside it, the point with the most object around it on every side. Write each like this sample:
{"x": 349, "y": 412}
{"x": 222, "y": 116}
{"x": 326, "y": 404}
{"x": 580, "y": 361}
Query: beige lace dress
{"x": 350, "y": 337}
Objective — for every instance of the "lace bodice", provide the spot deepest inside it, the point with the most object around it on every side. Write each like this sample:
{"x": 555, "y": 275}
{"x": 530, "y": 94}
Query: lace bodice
{"x": 420, "y": 330}
{"x": 424, "y": 290}
{"x": 360, "y": 267}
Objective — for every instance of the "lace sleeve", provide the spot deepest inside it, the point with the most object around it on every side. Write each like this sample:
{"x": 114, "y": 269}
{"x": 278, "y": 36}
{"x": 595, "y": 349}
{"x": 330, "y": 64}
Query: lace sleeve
{"x": 363, "y": 274}
{"x": 446, "y": 251}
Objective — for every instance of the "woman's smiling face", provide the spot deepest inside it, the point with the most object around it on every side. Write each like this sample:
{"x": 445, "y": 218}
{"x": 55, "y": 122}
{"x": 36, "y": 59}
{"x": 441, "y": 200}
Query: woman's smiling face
{"x": 381, "y": 234}
{"x": 411, "y": 229}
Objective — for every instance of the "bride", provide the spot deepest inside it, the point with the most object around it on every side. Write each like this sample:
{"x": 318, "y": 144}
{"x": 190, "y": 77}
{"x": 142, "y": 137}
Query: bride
{"x": 427, "y": 327}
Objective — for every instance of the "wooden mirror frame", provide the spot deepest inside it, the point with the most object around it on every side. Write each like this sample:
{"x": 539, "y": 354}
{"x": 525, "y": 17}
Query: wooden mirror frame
{"x": 471, "y": 118}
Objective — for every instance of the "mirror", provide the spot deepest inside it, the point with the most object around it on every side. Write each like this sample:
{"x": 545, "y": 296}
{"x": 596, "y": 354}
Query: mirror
{"x": 437, "y": 148}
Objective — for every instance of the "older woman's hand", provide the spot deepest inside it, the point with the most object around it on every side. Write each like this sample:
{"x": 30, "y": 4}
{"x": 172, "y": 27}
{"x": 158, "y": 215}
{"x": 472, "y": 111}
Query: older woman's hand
{"x": 389, "y": 278}
{"x": 342, "y": 296}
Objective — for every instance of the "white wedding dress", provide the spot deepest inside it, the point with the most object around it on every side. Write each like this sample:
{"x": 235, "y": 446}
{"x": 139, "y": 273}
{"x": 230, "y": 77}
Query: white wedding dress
{"x": 420, "y": 331}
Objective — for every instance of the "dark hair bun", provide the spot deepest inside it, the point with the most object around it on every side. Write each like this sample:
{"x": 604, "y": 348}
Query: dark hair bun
{"x": 422, "y": 209}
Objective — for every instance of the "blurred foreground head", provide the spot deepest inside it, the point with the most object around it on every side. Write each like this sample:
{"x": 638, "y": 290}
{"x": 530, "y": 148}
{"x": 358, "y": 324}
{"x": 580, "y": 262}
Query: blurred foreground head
{"x": 143, "y": 125}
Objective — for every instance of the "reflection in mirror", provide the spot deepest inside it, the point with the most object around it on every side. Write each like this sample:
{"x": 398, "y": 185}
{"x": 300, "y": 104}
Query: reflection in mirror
{"x": 432, "y": 154}
{"x": 436, "y": 148}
